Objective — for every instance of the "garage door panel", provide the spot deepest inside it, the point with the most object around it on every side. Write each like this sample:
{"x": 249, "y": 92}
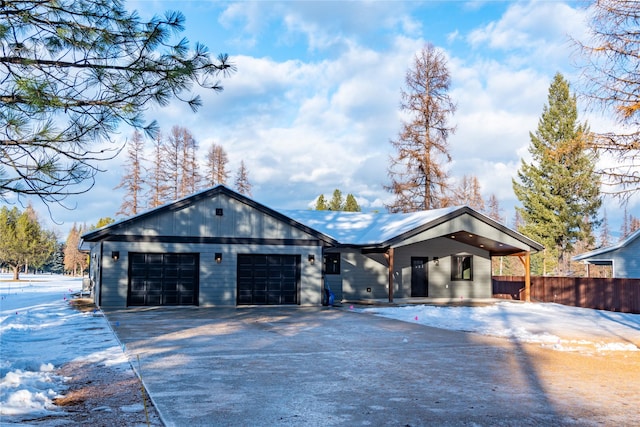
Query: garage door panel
{"x": 268, "y": 279}
{"x": 163, "y": 279}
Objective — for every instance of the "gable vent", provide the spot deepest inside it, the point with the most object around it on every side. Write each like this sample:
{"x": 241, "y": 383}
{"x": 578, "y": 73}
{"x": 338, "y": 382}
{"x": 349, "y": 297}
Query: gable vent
{"x": 219, "y": 212}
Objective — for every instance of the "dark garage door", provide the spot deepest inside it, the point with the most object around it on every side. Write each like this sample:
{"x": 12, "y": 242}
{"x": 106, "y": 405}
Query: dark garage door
{"x": 163, "y": 279}
{"x": 268, "y": 279}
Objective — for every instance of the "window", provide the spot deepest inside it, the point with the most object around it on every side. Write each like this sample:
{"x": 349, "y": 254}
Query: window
{"x": 332, "y": 263}
{"x": 461, "y": 267}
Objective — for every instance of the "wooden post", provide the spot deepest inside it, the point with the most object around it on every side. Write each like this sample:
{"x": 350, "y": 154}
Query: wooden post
{"x": 390, "y": 261}
{"x": 527, "y": 274}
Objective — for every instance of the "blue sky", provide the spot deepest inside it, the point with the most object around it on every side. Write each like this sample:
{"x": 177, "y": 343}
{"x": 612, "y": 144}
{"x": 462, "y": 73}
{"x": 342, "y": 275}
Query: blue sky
{"x": 315, "y": 99}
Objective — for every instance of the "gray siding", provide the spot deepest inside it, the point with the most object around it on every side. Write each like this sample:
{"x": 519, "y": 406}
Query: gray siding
{"x": 362, "y": 271}
{"x": 199, "y": 219}
{"x": 626, "y": 260}
{"x": 218, "y": 285}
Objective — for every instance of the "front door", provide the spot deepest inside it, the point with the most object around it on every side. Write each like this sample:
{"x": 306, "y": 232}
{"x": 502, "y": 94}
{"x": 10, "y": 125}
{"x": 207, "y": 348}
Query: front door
{"x": 419, "y": 282}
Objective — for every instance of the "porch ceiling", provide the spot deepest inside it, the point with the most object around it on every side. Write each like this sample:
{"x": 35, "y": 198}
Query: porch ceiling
{"x": 495, "y": 247}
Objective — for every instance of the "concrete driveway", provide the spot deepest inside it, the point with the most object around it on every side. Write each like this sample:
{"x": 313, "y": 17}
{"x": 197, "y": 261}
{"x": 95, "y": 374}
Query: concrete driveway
{"x": 293, "y": 366}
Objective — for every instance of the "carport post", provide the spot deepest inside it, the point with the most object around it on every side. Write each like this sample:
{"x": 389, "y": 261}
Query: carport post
{"x": 390, "y": 262}
{"x": 527, "y": 275}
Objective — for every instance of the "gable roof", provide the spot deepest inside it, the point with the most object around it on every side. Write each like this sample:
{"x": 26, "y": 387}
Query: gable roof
{"x": 335, "y": 228}
{"x": 100, "y": 233}
{"x": 602, "y": 251}
{"x": 386, "y": 229}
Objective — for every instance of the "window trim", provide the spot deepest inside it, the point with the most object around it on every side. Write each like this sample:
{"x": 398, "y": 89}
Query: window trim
{"x": 332, "y": 256}
{"x": 459, "y": 275}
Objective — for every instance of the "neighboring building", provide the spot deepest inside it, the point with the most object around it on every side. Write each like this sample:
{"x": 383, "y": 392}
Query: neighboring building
{"x": 220, "y": 248}
{"x": 623, "y": 257}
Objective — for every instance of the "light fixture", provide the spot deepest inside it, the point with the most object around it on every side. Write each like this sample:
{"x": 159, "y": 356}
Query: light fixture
{"x": 436, "y": 260}
{"x": 115, "y": 255}
{"x": 312, "y": 258}
{"x": 218, "y": 257}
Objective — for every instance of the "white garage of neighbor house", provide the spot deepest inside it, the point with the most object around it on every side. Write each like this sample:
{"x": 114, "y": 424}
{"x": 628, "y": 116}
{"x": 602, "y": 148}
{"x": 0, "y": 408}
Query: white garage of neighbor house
{"x": 623, "y": 257}
{"x": 220, "y": 248}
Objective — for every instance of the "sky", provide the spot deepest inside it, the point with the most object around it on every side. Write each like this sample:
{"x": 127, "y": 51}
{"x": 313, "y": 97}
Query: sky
{"x": 315, "y": 99}
{"x": 40, "y": 332}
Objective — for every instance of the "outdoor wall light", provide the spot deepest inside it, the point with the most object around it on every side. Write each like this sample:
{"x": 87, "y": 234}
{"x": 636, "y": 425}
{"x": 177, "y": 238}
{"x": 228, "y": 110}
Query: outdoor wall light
{"x": 218, "y": 257}
{"x": 436, "y": 260}
{"x": 312, "y": 258}
{"x": 115, "y": 255}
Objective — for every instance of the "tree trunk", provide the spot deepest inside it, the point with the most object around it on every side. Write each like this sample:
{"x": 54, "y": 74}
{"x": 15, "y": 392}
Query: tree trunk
{"x": 16, "y": 272}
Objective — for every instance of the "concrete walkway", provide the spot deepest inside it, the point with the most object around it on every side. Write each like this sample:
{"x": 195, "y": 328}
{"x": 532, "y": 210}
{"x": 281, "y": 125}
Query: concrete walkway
{"x": 293, "y": 366}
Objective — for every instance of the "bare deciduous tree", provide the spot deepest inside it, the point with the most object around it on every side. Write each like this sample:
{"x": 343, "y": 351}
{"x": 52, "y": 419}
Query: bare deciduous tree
{"x": 612, "y": 81}
{"x": 417, "y": 172}
{"x": 156, "y": 180}
{"x": 243, "y": 186}
{"x": 132, "y": 181}
{"x": 216, "y": 165}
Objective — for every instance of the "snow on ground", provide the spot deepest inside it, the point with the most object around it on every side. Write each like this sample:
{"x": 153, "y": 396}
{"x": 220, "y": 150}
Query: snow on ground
{"x": 39, "y": 332}
{"x": 552, "y": 325}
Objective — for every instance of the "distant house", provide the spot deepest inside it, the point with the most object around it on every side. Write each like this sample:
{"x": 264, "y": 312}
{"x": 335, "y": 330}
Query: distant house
{"x": 623, "y": 257}
{"x": 220, "y": 248}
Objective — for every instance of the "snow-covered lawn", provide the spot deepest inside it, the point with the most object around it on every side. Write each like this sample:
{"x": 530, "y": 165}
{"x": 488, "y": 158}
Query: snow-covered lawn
{"x": 40, "y": 332}
{"x": 557, "y": 326}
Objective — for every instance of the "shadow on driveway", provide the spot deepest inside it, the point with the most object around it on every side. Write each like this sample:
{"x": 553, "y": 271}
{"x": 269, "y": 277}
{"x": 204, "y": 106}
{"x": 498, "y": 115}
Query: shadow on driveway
{"x": 323, "y": 367}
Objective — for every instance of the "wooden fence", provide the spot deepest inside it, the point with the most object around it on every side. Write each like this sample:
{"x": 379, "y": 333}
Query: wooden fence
{"x": 621, "y": 295}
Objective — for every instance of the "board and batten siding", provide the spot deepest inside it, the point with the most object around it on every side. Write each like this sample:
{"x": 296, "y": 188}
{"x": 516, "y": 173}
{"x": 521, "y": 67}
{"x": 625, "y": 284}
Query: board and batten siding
{"x": 238, "y": 220}
{"x": 217, "y": 282}
{"x": 439, "y": 276}
{"x": 626, "y": 260}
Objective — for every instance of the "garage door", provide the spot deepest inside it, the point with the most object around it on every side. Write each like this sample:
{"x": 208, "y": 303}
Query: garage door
{"x": 268, "y": 279}
{"x": 163, "y": 279}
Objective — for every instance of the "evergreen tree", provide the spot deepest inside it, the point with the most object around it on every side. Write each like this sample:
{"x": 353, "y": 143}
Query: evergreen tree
{"x": 243, "y": 186}
{"x": 337, "y": 201}
{"x": 72, "y": 72}
{"x": 321, "y": 204}
{"x": 559, "y": 189}
{"x": 351, "y": 204}
{"x": 23, "y": 242}
{"x": 132, "y": 180}
{"x": 418, "y": 174}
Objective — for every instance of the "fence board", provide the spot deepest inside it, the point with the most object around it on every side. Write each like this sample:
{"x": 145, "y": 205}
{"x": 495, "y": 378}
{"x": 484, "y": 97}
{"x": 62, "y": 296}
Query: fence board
{"x": 610, "y": 294}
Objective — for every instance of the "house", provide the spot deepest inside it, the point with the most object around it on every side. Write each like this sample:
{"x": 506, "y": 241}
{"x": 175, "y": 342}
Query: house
{"x": 623, "y": 257}
{"x": 220, "y": 248}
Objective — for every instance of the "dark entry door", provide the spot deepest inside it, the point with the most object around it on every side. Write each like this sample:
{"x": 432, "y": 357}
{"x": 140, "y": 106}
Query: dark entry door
{"x": 419, "y": 277}
{"x": 268, "y": 279}
{"x": 163, "y": 279}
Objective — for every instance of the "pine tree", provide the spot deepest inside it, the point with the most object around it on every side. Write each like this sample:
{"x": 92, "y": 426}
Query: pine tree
{"x": 337, "y": 202}
{"x": 351, "y": 204}
{"x": 321, "y": 204}
{"x": 243, "y": 186}
{"x": 71, "y": 73}
{"x": 216, "y": 166}
{"x": 23, "y": 242}
{"x": 132, "y": 181}
{"x": 417, "y": 172}
{"x": 560, "y": 188}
